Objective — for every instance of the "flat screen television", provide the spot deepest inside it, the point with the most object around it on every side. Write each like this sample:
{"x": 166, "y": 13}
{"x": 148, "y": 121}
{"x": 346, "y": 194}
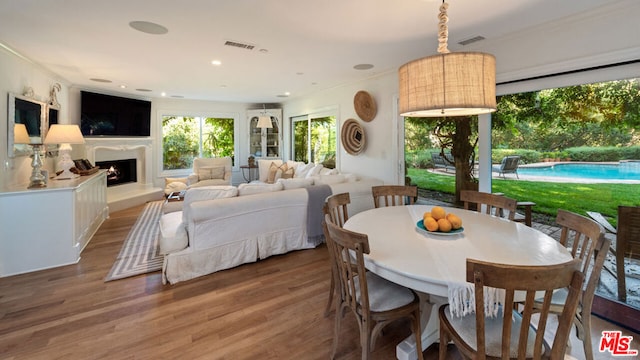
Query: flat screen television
{"x": 107, "y": 115}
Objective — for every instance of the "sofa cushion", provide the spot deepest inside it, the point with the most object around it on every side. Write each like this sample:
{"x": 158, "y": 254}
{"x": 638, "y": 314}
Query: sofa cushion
{"x": 210, "y": 173}
{"x": 202, "y": 193}
{"x": 257, "y": 188}
{"x": 173, "y": 233}
{"x": 327, "y": 171}
{"x": 295, "y": 183}
{"x": 329, "y": 179}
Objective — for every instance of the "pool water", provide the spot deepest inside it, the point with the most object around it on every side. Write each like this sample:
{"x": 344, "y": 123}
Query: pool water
{"x": 623, "y": 171}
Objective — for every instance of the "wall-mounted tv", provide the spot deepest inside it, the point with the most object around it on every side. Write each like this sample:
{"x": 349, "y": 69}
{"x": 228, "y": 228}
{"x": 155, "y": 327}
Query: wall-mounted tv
{"x": 107, "y": 115}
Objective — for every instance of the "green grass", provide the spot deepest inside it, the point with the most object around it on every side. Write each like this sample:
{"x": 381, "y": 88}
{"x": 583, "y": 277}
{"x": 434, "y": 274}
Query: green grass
{"x": 549, "y": 197}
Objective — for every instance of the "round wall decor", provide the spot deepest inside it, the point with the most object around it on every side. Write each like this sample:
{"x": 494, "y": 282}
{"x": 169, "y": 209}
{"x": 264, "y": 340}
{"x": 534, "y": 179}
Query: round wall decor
{"x": 352, "y": 137}
{"x": 365, "y": 106}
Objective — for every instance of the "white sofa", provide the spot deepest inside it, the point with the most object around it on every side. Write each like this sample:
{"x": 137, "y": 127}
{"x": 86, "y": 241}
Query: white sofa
{"x": 237, "y": 225}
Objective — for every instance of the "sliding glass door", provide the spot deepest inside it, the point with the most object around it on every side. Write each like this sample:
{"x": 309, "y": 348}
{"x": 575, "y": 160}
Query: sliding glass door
{"x": 314, "y": 139}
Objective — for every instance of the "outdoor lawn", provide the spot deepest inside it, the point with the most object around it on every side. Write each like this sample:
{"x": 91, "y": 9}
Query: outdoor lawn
{"x": 548, "y": 196}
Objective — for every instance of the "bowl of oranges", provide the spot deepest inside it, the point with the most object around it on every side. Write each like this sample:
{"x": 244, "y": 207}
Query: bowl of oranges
{"x": 438, "y": 222}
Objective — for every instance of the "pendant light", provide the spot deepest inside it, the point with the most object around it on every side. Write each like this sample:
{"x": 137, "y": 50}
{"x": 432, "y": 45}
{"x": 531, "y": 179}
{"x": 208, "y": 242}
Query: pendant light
{"x": 448, "y": 84}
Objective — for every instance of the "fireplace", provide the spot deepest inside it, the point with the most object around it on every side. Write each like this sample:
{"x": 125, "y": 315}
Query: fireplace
{"x": 119, "y": 171}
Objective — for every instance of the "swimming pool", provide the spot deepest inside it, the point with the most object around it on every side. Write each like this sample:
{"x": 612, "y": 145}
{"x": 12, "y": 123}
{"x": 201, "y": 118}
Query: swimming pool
{"x": 627, "y": 170}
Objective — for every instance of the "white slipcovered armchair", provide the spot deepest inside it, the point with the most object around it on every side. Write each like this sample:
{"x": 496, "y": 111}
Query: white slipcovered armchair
{"x": 210, "y": 171}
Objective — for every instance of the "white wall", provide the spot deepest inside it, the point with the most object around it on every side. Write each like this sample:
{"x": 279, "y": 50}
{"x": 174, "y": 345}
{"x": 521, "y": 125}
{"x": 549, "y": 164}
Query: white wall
{"x": 377, "y": 158}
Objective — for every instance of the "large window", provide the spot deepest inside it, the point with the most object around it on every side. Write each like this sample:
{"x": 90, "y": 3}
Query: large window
{"x": 314, "y": 139}
{"x": 187, "y": 137}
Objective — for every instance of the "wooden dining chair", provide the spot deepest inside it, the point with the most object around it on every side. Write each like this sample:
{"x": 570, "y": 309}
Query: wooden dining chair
{"x": 394, "y": 195}
{"x": 374, "y": 301}
{"x": 627, "y": 243}
{"x": 492, "y": 204}
{"x": 510, "y": 333}
{"x": 336, "y": 207}
{"x": 586, "y": 241}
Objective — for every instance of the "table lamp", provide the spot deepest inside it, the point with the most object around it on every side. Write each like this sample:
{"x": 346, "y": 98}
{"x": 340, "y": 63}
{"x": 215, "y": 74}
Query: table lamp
{"x": 21, "y": 136}
{"x": 65, "y": 135}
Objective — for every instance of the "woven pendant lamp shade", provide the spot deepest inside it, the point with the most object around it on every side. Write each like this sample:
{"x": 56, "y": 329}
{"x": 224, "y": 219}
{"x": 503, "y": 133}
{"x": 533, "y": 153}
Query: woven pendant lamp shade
{"x": 452, "y": 84}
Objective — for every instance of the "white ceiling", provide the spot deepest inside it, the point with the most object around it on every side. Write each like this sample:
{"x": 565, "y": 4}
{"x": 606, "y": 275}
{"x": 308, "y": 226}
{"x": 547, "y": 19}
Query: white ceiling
{"x": 308, "y": 45}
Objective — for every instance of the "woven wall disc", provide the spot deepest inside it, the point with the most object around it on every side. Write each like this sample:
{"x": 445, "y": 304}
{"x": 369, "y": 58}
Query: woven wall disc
{"x": 352, "y": 137}
{"x": 365, "y": 106}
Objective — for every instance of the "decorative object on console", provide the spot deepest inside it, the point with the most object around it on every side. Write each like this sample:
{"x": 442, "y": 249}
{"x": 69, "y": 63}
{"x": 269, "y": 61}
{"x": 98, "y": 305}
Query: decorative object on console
{"x": 353, "y": 137}
{"x": 448, "y": 84}
{"x": 365, "y": 106}
{"x": 21, "y": 136}
{"x": 251, "y": 161}
{"x": 65, "y": 135}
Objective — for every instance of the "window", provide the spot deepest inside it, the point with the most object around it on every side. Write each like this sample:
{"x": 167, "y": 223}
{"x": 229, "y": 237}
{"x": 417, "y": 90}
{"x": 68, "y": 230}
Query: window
{"x": 187, "y": 137}
{"x": 314, "y": 139}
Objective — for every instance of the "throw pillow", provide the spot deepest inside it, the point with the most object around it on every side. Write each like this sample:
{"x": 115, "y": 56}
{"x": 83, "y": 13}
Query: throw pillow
{"x": 174, "y": 184}
{"x": 250, "y": 189}
{"x": 275, "y": 172}
{"x": 174, "y": 187}
{"x": 211, "y": 172}
{"x": 315, "y": 170}
{"x": 287, "y": 174}
{"x": 263, "y": 168}
{"x": 302, "y": 170}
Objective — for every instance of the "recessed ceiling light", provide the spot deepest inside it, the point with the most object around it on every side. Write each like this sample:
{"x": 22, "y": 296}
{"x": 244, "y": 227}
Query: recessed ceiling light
{"x": 284, "y": 95}
{"x": 149, "y": 27}
{"x": 264, "y": 51}
{"x": 216, "y": 62}
{"x": 163, "y": 94}
{"x": 101, "y": 80}
{"x": 177, "y": 96}
{"x": 123, "y": 86}
{"x": 300, "y": 73}
{"x": 363, "y": 66}
{"x": 144, "y": 90}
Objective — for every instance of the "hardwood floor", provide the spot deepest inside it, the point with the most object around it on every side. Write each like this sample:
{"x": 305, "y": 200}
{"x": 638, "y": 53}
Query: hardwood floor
{"x": 272, "y": 309}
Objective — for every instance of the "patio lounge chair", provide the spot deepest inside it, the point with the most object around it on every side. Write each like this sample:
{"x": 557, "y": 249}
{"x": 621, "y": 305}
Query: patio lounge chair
{"x": 509, "y": 165}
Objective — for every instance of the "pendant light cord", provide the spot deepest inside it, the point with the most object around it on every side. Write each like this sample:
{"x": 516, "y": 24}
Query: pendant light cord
{"x": 443, "y": 31}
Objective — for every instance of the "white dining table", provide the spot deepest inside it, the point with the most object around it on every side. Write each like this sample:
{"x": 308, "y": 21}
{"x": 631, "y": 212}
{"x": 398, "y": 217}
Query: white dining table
{"x": 429, "y": 263}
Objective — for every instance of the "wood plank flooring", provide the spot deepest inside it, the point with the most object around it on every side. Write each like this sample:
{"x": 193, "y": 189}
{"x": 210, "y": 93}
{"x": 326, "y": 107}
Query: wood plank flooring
{"x": 271, "y": 309}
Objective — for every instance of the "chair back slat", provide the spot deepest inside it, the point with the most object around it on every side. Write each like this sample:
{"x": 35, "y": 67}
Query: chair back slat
{"x": 394, "y": 195}
{"x": 531, "y": 280}
{"x": 491, "y": 204}
{"x": 336, "y": 207}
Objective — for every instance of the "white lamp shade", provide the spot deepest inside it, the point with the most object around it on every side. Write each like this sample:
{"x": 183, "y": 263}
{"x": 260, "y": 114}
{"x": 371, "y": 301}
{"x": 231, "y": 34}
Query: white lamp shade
{"x": 264, "y": 122}
{"x": 64, "y": 134}
{"x": 451, "y": 84}
{"x": 20, "y": 134}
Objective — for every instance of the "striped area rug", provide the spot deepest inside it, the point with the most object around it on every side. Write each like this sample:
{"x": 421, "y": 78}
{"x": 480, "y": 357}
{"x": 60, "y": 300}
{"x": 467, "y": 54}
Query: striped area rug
{"x": 140, "y": 252}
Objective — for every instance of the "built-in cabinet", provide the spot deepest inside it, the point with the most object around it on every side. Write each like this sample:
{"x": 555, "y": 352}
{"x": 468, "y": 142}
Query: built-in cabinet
{"x": 49, "y": 227}
{"x": 266, "y": 142}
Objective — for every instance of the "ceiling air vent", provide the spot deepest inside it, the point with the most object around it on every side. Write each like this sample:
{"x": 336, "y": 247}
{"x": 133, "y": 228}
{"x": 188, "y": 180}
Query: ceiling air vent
{"x": 239, "y": 45}
{"x": 471, "y": 40}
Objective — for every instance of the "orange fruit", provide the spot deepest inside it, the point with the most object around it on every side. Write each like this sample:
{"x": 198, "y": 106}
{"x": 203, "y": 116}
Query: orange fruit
{"x": 431, "y": 224}
{"x": 438, "y": 213}
{"x": 456, "y": 222}
{"x": 444, "y": 225}
{"x": 425, "y": 216}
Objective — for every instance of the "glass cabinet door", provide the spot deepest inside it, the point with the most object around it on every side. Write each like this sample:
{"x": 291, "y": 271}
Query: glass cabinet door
{"x": 265, "y": 142}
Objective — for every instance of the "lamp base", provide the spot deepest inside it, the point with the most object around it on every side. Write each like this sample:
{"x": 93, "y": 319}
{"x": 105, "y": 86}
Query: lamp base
{"x": 37, "y": 179}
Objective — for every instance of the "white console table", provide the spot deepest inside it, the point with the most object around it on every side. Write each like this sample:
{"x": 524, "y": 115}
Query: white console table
{"x": 49, "y": 227}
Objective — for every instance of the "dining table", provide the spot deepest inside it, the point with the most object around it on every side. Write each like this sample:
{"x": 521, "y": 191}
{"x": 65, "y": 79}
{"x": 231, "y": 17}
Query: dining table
{"x": 434, "y": 263}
